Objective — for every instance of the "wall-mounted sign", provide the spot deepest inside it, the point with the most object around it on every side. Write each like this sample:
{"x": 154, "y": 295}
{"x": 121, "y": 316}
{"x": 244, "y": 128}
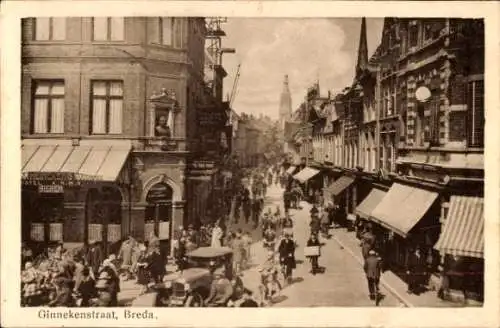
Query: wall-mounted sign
{"x": 51, "y": 189}
{"x": 159, "y": 193}
{"x": 423, "y": 94}
{"x": 211, "y": 118}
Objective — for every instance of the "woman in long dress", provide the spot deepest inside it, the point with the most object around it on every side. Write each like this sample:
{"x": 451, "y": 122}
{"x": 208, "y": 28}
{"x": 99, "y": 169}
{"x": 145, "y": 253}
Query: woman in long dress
{"x": 216, "y": 236}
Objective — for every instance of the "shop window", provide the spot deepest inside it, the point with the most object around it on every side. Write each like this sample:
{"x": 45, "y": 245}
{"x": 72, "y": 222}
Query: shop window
{"x": 420, "y": 126}
{"x": 48, "y": 107}
{"x": 107, "y": 107}
{"x": 108, "y": 28}
{"x": 50, "y": 29}
{"x": 166, "y": 29}
{"x": 475, "y": 105}
{"x": 434, "y": 123}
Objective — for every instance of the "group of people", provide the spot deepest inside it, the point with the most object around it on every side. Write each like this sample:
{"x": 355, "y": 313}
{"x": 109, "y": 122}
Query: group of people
{"x": 83, "y": 277}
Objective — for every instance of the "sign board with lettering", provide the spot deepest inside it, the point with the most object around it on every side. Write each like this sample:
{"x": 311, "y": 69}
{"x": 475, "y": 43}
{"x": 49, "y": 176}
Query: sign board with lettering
{"x": 211, "y": 117}
{"x": 50, "y": 189}
{"x": 159, "y": 193}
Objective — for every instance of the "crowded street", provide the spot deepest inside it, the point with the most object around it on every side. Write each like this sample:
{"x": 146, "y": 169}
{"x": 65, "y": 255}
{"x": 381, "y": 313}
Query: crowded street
{"x": 357, "y": 189}
{"x": 341, "y": 284}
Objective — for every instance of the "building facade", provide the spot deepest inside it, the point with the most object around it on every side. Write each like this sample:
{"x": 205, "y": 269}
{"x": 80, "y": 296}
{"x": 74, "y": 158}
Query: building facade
{"x": 109, "y": 126}
{"x": 411, "y": 146}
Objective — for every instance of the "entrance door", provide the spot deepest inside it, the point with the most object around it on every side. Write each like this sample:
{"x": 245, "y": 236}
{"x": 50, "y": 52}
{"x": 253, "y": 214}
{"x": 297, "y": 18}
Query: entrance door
{"x": 158, "y": 215}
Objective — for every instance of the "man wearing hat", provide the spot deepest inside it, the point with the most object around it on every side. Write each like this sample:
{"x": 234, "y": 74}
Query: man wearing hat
{"x": 373, "y": 268}
{"x": 94, "y": 257}
{"x": 286, "y": 251}
{"x": 220, "y": 291}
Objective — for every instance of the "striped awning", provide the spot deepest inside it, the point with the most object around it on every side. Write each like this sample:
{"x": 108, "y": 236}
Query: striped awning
{"x": 462, "y": 233}
{"x": 402, "y": 207}
{"x": 291, "y": 169}
{"x": 91, "y": 160}
{"x": 340, "y": 185}
{"x": 369, "y": 203}
{"x": 306, "y": 174}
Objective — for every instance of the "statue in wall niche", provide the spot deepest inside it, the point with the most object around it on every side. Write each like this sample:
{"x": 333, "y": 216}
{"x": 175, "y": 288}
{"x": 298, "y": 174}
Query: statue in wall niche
{"x": 162, "y": 129}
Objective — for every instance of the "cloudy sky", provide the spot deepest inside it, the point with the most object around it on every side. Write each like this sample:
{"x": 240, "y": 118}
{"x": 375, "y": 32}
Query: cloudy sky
{"x": 305, "y": 49}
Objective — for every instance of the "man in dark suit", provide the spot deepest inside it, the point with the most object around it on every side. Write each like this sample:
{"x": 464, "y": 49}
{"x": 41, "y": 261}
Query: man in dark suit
{"x": 373, "y": 268}
{"x": 94, "y": 257}
{"x": 286, "y": 250}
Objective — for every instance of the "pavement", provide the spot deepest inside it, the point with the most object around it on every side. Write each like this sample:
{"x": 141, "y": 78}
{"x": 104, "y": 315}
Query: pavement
{"x": 342, "y": 282}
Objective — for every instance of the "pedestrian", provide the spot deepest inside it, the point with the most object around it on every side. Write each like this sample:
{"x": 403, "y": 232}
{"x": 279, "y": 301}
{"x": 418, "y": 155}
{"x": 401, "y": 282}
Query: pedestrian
{"x": 238, "y": 251}
{"x": 325, "y": 222}
{"x": 373, "y": 269}
{"x": 367, "y": 241}
{"x": 78, "y": 273}
{"x": 63, "y": 294}
{"x": 216, "y": 238}
{"x": 286, "y": 252}
{"x": 86, "y": 288}
{"x": 415, "y": 271}
{"x": 247, "y": 242}
{"x": 315, "y": 224}
{"x": 125, "y": 255}
{"x": 156, "y": 265}
{"x": 94, "y": 257}
{"x": 314, "y": 242}
{"x": 143, "y": 276}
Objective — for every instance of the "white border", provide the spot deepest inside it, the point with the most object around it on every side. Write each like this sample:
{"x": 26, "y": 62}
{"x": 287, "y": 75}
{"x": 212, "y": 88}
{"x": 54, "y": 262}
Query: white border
{"x": 13, "y": 315}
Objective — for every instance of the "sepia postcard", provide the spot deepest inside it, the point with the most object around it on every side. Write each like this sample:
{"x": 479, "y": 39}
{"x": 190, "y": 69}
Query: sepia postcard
{"x": 335, "y": 163}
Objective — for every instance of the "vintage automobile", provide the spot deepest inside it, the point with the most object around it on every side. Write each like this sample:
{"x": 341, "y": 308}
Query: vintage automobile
{"x": 192, "y": 286}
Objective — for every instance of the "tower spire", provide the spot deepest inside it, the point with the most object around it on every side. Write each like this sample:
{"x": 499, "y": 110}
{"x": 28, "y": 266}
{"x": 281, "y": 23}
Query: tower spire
{"x": 285, "y": 109}
{"x": 362, "y": 60}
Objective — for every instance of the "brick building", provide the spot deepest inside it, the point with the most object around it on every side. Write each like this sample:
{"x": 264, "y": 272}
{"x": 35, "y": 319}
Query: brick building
{"x": 413, "y": 144}
{"x": 110, "y": 126}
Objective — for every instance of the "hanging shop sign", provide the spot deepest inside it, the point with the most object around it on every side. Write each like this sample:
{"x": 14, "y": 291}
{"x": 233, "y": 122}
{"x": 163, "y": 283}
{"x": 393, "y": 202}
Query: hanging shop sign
{"x": 211, "y": 118}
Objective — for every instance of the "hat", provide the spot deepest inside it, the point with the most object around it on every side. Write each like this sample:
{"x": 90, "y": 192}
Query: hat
{"x": 372, "y": 252}
{"x": 104, "y": 276}
{"x": 219, "y": 272}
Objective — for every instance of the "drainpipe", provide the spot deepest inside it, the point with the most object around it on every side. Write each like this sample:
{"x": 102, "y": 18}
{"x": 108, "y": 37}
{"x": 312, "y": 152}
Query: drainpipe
{"x": 377, "y": 117}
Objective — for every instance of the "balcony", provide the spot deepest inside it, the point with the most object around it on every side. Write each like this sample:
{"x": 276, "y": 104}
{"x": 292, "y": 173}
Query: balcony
{"x": 160, "y": 144}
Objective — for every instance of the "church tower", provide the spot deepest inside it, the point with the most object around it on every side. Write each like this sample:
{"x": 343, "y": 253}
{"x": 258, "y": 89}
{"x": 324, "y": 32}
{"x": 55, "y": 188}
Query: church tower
{"x": 362, "y": 61}
{"x": 285, "y": 104}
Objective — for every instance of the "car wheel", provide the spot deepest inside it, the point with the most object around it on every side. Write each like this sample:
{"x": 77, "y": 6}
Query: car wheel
{"x": 194, "y": 300}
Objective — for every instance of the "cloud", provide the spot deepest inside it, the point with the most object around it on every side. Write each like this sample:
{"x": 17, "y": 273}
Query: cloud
{"x": 305, "y": 49}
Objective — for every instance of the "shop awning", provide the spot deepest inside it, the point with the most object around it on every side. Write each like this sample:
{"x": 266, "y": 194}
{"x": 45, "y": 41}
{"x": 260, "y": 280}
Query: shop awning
{"x": 462, "y": 233}
{"x": 99, "y": 161}
{"x": 291, "y": 169}
{"x": 369, "y": 203}
{"x": 306, "y": 174}
{"x": 340, "y": 185}
{"x": 402, "y": 208}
